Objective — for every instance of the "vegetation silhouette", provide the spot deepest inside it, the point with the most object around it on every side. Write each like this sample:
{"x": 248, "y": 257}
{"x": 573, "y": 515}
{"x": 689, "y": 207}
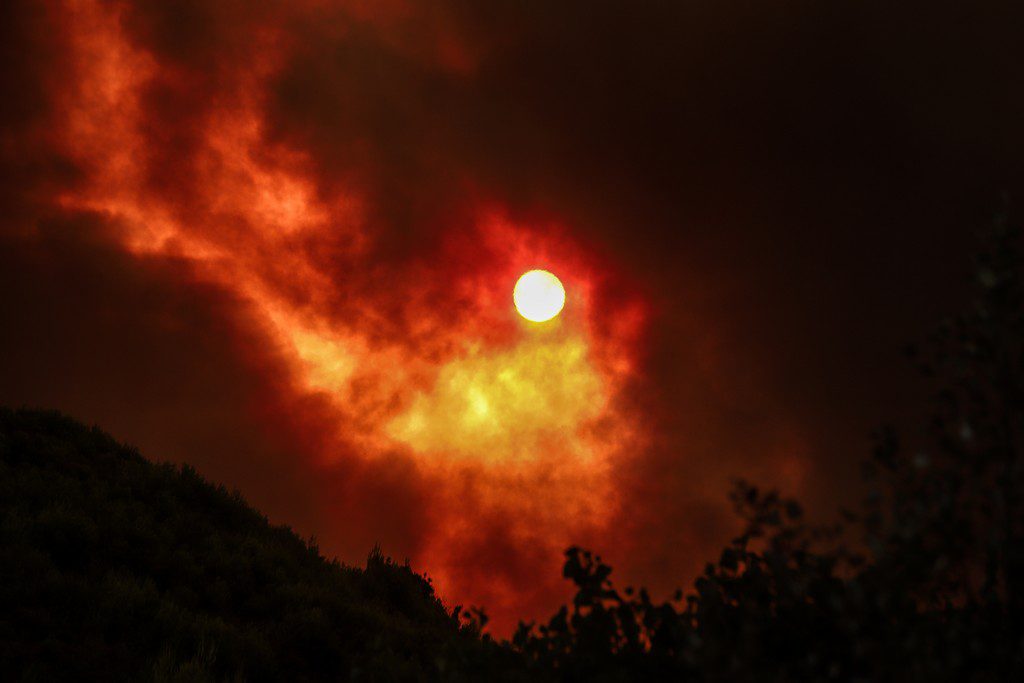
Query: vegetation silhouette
{"x": 923, "y": 583}
{"x": 114, "y": 568}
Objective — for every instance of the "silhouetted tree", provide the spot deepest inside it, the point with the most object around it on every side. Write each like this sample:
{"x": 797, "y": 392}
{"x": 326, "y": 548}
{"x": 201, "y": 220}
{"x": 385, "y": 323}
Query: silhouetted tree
{"x": 923, "y": 583}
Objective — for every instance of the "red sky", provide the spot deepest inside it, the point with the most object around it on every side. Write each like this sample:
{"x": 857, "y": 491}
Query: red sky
{"x": 278, "y": 241}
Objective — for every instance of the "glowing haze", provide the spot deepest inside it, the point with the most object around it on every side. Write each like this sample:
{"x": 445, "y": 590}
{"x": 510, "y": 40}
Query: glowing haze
{"x": 418, "y": 358}
{"x": 282, "y": 241}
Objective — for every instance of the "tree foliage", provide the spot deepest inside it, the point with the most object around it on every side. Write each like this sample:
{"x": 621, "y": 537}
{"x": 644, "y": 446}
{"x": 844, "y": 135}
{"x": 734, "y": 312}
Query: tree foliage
{"x": 923, "y": 583}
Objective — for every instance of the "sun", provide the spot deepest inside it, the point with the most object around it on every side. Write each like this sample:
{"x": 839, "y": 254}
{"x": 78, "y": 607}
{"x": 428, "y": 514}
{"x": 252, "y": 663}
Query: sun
{"x": 538, "y": 296}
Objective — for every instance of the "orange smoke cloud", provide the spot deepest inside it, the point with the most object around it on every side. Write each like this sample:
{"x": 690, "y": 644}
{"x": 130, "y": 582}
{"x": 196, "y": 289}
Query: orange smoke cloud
{"x": 514, "y": 428}
{"x": 279, "y": 240}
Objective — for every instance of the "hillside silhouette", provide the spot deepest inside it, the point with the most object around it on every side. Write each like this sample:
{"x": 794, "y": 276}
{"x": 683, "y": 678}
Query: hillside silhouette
{"x": 115, "y": 568}
{"x": 118, "y": 569}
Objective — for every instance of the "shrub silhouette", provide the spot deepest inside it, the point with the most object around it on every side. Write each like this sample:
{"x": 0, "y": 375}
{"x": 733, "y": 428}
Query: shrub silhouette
{"x": 924, "y": 583}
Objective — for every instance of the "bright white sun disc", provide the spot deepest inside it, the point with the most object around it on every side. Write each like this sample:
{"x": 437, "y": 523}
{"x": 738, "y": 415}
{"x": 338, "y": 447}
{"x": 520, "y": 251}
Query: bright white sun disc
{"x": 538, "y": 296}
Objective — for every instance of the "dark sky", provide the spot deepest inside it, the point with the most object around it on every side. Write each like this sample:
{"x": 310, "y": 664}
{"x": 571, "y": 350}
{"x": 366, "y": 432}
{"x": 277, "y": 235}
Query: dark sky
{"x": 277, "y": 240}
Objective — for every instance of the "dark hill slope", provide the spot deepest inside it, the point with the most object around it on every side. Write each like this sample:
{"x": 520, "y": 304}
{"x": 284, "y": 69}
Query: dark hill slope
{"x": 114, "y": 568}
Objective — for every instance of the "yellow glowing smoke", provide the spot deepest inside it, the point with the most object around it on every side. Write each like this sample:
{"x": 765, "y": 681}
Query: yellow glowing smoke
{"x": 505, "y": 404}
